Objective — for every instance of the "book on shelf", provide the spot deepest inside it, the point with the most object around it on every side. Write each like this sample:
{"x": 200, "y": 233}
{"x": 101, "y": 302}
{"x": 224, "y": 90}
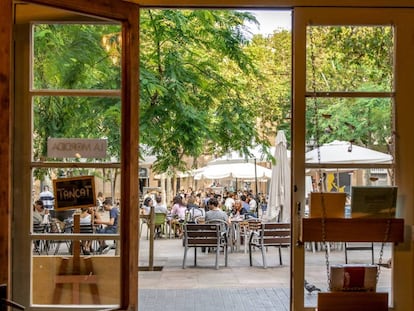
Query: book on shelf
{"x": 373, "y": 202}
{"x": 328, "y": 204}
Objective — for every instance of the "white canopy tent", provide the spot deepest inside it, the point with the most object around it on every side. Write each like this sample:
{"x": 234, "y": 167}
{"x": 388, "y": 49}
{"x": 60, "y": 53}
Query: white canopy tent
{"x": 236, "y": 157}
{"x": 338, "y": 152}
{"x": 342, "y": 152}
{"x": 245, "y": 170}
{"x": 177, "y": 174}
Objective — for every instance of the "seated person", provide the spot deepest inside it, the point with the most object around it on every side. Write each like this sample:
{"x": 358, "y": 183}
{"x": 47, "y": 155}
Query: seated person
{"x": 39, "y": 213}
{"x": 250, "y": 214}
{"x": 40, "y": 218}
{"x": 238, "y": 209}
{"x": 146, "y": 206}
{"x": 215, "y": 212}
{"x": 159, "y": 208}
{"x": 85, "y": 216}
{"x": 86, "y": 219}
{"x": 193, "y": 209}
{"x": 252, "y": 203}
{"x": 111, "y": 225}
{"x": 178, "y": 213}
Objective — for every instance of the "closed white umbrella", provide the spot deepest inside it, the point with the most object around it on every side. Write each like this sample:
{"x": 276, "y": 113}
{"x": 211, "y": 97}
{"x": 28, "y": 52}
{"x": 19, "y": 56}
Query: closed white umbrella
{"x": 279, "y": 190}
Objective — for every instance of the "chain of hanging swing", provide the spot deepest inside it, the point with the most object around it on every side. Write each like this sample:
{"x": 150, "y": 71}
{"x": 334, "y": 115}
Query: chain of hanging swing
{"x": 317, "y": 140}
{"x": 392, "y": 151}
{"x": 318, "y": 149}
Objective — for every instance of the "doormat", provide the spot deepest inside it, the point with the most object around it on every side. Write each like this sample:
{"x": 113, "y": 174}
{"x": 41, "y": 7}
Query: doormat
{"x": 146, "y": 268}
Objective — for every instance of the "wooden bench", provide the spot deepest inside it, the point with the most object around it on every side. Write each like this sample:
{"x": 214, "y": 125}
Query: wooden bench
{"x": 204, "y": 235}
{"x": 269, "y": 234}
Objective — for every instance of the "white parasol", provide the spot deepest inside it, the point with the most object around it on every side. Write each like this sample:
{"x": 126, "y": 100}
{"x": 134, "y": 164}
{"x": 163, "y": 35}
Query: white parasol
{"x": 278, "y": 207}
{"x": 233, "y": 170}
{"x": 345, "y": 152}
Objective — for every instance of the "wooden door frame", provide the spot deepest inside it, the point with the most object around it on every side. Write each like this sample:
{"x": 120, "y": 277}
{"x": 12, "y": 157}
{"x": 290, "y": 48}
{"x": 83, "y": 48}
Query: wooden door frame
{"x": 6, "y": 102}
{"x": 127, "y": 14}
{"x": 5, "y": 141}
{"x": 403, "y": 77}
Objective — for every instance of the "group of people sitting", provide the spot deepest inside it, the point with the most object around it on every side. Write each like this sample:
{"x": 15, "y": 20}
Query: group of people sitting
{"x": 104, "y": 225}
{"x": 190, "y": 208}
{"x": 88, "y": 216}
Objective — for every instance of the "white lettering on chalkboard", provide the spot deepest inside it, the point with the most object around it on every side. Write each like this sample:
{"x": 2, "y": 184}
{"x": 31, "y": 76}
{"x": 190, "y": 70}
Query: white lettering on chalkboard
{"x": 74, "y": 193}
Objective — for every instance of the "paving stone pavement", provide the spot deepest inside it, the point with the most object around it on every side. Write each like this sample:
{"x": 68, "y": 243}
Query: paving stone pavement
{"x": 235, "y": 287}
{"x": 214, "y": 299}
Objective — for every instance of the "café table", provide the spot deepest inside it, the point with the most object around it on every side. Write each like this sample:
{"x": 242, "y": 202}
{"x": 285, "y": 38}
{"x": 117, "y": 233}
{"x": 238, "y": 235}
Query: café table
{"x": 238, "y": 228}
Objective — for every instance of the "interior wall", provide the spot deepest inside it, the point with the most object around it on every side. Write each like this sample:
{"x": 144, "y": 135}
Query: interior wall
{"x": 5, "y": 123}
{"x": 273, "y": 3}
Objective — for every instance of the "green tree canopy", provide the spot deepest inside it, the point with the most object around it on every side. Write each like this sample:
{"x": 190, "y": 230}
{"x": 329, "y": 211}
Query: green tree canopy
{"x": 350, "y": 59}
{"x": 195, "y": 77}
{"x": 207, "y": 86}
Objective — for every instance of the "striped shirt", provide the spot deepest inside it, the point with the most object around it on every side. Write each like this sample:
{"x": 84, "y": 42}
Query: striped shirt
{"x": 47, "y": 198}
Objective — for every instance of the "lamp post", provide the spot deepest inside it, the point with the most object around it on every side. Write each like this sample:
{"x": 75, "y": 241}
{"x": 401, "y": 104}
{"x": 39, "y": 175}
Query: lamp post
{"x": 255, "y": 175}
{"x": 255, "y": 182}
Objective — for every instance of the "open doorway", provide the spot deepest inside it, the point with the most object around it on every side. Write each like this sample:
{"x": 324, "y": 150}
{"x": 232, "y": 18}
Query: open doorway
{"x": 219, "y": 80}
{"x": 219, "y": 113}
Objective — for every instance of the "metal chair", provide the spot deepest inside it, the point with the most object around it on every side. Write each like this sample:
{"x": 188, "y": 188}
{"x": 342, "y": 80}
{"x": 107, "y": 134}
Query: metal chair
{"x": 159, "y": 223}
{"x": 205, "y": 236}
{"x": 88, "y": 229}
{"x": 144, "y": 220}
{"x": 6, "y": 303}
{"x": 359, "y": 247}
{"x": 270, "y": 234}
{"x": 40, "y": 245}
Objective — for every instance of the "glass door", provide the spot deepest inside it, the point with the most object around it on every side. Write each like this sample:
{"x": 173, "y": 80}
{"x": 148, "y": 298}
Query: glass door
{"x": 75, "y": 157}
{"x": 346, "y": 98}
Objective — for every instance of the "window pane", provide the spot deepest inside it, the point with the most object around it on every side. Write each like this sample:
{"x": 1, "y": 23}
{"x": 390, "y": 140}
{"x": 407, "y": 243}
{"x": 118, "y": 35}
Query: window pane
{"x": 349, "y": 130}
{"x": 349, "y": 58}
{"x": 73, "y": 56}
{"x": 70, "y": 271}
{"x": 315, "y": 269}
{"x": 344, "y": 131}
{"x": 338, "y": 180}
{"x": 70, "y": 118}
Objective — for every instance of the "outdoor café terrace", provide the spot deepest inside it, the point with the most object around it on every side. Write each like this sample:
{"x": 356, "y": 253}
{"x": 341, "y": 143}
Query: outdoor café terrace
{"x": 238, "y": 286}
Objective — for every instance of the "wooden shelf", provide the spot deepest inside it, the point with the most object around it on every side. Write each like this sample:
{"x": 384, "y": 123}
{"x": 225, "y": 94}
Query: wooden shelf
{"x": 353, "y": 229}
{"x": 353, "y": 301}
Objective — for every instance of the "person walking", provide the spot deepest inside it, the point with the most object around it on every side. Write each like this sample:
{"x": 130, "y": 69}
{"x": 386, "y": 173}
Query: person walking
{"x": 47, "y": 198}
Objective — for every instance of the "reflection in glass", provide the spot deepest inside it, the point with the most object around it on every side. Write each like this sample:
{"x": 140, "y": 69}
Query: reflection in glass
{"x": 66, "y": 270}
{"x": 76, "y": 117}
{"x": 350, "y": 58}
{"x": 363, "y": 122}
{"x": 321, "y": 256}
{"x": 76, "y": 56}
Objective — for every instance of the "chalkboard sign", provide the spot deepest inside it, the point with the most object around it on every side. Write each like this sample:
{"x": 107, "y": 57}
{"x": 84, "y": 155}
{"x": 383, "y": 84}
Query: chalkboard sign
{"x": 76, "y": 192}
